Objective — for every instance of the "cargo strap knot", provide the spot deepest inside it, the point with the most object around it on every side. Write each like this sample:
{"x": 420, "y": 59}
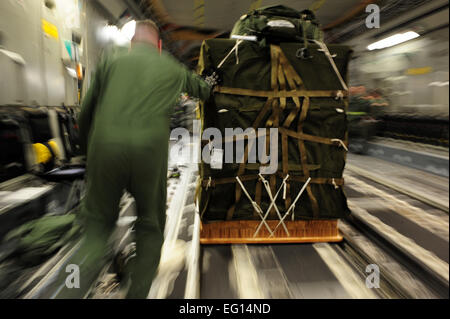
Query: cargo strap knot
{"x": 235, "y": 48}
{"x": 334, "y": 183}
{"x": 209, "y": 183}
{"x": 339, "y": 95}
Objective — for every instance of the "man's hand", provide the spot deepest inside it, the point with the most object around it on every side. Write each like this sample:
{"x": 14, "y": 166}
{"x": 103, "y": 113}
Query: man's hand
{"x": 212, "y": 79}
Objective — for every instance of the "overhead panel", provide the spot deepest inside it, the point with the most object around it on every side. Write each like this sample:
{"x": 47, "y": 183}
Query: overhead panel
{"x": 115, "y": 7}
{"x": 255, "y": 4}
{"x": 221, "y": 15}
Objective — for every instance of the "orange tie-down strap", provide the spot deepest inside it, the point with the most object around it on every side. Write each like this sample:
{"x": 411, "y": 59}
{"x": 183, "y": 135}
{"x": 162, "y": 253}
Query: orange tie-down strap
{"x": 282, "y": 130}
{"x": 280, "y": 94}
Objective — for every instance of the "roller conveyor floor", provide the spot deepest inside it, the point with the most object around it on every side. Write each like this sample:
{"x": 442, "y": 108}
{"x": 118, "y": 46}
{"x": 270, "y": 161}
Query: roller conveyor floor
{"x": 282, "y": 271}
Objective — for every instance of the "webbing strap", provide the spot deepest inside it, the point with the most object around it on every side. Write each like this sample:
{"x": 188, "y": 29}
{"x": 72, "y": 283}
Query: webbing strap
{"x": 303, "y": 156}
{"x": 310, "y": 138}
{"x": 295, "y": 83}
{"x": 277, "y": 83}
{"x": 278, "y": 94}
{"x": 301, "y": 179}
{"x": 258, "y": 194}
{"x": 284, "y": 130}
{"x": 315, "y": 180}
{"x": 241, "y": 169}
{"x": 285, "y": 165}
{"x": 282, "y": 86}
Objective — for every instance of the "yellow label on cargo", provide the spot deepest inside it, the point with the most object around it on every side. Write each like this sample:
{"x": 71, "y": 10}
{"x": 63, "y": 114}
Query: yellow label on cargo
{"x": 418, "y": 71}
{"x": 49, "y": 29}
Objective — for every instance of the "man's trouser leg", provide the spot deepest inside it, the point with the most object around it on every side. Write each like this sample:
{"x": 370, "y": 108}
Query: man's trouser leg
{"x": 107, "y": 177}
{"x": 148, "y": 186}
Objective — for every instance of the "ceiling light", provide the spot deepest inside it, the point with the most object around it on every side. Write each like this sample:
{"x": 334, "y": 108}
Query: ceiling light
{"x": 129, "y": 29}
{"x": 393, "y": 40}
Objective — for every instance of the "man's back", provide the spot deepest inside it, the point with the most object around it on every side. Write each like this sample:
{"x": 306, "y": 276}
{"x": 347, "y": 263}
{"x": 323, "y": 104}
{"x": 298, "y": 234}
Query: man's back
{"x": 134, "y": 94}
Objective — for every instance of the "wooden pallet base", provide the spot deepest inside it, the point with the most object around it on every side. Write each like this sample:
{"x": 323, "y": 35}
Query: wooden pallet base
{"x": 242, "y": 231}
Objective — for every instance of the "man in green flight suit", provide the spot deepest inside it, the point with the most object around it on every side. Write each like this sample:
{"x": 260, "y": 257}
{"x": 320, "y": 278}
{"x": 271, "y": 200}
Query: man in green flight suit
{"x": 124, "y": 127}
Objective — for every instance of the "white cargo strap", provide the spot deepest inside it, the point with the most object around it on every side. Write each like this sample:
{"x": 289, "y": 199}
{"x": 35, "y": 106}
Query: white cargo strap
{"x": 324, "y": 49}
{"x": 292, "y": 207}
{"x": 235, "y": 48}
{"x": 341, "y": 143}
{"x": 255, "y": 205}
{"x": 272, "y": 201}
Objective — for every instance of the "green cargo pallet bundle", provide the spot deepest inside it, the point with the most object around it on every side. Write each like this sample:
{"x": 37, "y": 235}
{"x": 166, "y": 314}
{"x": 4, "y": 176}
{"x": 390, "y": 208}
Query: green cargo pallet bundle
{"x": 305, "y": 98}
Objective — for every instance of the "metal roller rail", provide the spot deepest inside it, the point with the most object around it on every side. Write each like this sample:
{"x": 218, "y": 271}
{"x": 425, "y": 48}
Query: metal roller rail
{"x": 423, "y": 186}
{"x": 419, "y": 263}
{"x": 281, "y": 271}
{"x": 396, "y": 280}
{"x": 393, "y": 229}
{"x": 398, "y": 188}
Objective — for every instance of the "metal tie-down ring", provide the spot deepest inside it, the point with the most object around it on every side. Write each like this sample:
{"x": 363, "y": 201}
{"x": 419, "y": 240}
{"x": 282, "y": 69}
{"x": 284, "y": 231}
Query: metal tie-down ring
{"x": 303, "y": 53}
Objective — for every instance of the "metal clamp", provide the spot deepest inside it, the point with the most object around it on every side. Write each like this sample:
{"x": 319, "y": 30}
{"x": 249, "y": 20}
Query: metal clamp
{"x": 303, "y": 53}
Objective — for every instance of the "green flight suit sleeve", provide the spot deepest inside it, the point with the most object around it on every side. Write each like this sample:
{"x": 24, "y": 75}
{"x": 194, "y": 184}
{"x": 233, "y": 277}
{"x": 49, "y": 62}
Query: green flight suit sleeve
{"x": 194, "y": 85}
{"x": 88, "y": 107}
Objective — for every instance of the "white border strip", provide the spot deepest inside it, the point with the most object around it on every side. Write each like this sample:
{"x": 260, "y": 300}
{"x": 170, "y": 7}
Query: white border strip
{"x": 192, "y": 290}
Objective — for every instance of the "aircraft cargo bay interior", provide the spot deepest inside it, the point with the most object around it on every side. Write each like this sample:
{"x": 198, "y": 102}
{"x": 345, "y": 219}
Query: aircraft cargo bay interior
{"x": 231, "y": 150}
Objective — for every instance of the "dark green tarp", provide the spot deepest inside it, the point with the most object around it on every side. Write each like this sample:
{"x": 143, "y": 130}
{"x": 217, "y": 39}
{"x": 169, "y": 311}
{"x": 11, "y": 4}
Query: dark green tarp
{"x": 325, "y": 118}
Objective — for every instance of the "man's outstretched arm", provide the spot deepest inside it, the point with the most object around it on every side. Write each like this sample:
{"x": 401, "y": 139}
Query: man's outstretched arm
{"x": 195, "y": 86}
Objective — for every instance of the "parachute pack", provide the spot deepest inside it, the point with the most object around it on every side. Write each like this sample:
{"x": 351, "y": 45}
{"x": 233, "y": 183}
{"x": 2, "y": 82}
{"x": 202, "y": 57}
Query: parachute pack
{"x": 275, "y": 24}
